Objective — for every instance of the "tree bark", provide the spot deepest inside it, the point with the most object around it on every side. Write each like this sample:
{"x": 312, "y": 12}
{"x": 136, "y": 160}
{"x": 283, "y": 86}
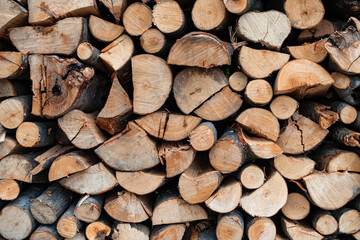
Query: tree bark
{"x": 319, "y": 113}
{"x": 14, "y": 88}
{"x": 90, "y": 55}
{"x": 68, "y": 225}
{"x": 345, "y": 136}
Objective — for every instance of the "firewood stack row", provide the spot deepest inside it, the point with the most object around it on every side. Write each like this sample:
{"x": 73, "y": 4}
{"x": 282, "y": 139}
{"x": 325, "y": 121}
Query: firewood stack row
{"x": 186, "y": 119}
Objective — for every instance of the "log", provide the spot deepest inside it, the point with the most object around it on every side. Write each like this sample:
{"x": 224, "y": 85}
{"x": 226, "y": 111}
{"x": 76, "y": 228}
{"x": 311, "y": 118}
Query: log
{"x": 241, "y": 7}
{"x": 9, "y": 189}
{"x": 319, "y": 113}
{"x": 200, "y": 49}
{"x": 14, "y": 111}
{"x": 50, "y": 39}
{"x": 78, "y": 236}
{"x": 10, "y": 146}
{"x": 294, "y": 167}
{"x": 347, "y": 87}
{"x": 356, "y": 124}
{"x": 12, "y": 14}
{"x": 347, "y": 113}
{"x": 269, "y": 28}
{"x": 323, "y": 29}
{"x": 154, "y": 42}
{"x": 116, "y": 8}
{"x": 14, "y": 88}
{"x": 303, "y": 14}
{"x": 124, "y": 231}
{"x": 88, "y": 208}
{"x": 230, "y": 226}
{"x": 203, "y": 231}
{"x": 45, "y": 232}
{"x": 203, "y": 137}
{"x": 94, "y": 180}
{"x": 297, "y": 207}
{"x": 120, "y": 153}
{"x": 125, "y": 206}
{"x": 51, "y": 204}
{"x": 36, "y": 134}
{"x": 283, "y": 107}
{"x": 68, "y": 225}
{"x": 324, "y": 222}
{"x": 295, "y": 230}
{"x": 315, "y": 51}
{"x": 137, "y": 18}
{"x": 348, "y": 219}
{"x": 290, "y": 79}
{"x": 258, "y": 92}
{"x": 98, "y": 230}
{"x": 14, "y": 65}
{"x": 251, "y": 176}
{"x": 260, "y": 228}
{"x": 209, "y": 15}
{"x": 260, "y": 63}
{"x": 103, "y": 30}
{"x": 171, "y": 231}
{"x": 90, "y": 55}
{"x": 345, "y": 136}
{"x": 267, "y": 200}
{"x": 238, "y": 81}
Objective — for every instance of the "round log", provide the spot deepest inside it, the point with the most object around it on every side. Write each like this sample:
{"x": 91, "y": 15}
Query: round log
{"x": 45, "y": 232}
{"x": 14, "y": 111}
{"x": 68, "y": 225}
{"x": 90, "y": 55}
{"x": 283, "y": 107}
{"x": 209, "y": 15}
{"x": 238, "y": 81}
{"x": 251, "y": 176}
{"x": 258, "y": 92}
{"x": 203, "y": 137}
{"x": 153, "y": 41}
{"x": 348, "y": 219}
{"x": 261, "y": 228}
{"x": 171, "y": 231}
{"x": 304, "y": 14}
{"x": 88, "y": 208}
{"x": 137, "y": 18}
{"x": 9, "y": 189}
{"x": 324, "y": 222}
{"x": 347, "y": 87}
{"x": 98, "y": 230}
{"x": 297, "y": 207}
{"x": 230, "y": 226}
{"x": 36, "y": 134}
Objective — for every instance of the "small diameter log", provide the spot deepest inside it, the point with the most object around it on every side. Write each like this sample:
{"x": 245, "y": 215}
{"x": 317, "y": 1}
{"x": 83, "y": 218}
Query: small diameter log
{"x": 94, "y": 180}
{"x": 261, "y": 63}
{"x": 9, "y": 189}
{"x": 69, "y": 163}
{"x": 324, "y": 222}
{"x": 323, "y": 29}
{"x": 269, "y": 28}
{"x": 45, "y": 232}
{"x": 290, "y": 79}
{"x": 203, "y": 137}
{"x": 319, "y": 113}
{"x": 137, "y": 19}
{"x": 12, "y": 14}
{"x": 125, "y": 231}
{"x": 125, "y": 206}
{"x": 348, "y": 219}
{"x": 90, "y": 55}
{"x": 345, "y": 136}
{"x": 315, "y": 51}
{"x": 51, "y": 204}
{"x": 337, "y": 188}
{"x": 16, "y": 221}
{"x": 347, "y": 87}
{"x": 251, "y": 176}
{"x": 116, "y": 8}
{"x": 14, "y": 111}
{"x": 267, "y": 200}
{"x": 295, "y": 230}
{"x": 303, "y": 14}
{"x": 103, "y": 30}
{"x": 98, "y": 230}
{"x": 201, "y": 50}
{"x": 88, "y": 208}
{"x": 10, "y": 146}
{"x": 78, "y": 236}
{"x": 68, "y": 225}
{"x": 164, "y": 232}
{"x": 347, "y": 113}
{"x": 238, "y": 81}
{"x": 209, "y": 15}
{"x": 258, "y": 92}
{"x": 154, "y": 42}
{"x": 177, "y": 157}
{"x": 14, "y": 88}
{"x": 81, "y": 129}
{"x": 36, "y": 134}
{"x": 297, "y": 207}
{"x": 120, "y": 152}
{"x": 230, "y": 226}
{"x": 14, "y": 64}
{"x": 241, "y": 7}
{"x": 283, "y": 107}
{"x": 50, "y": 39}
{"x": 168, "y": 126}
{"x": 261, "y": 228}
{"x": 294, "y": 167}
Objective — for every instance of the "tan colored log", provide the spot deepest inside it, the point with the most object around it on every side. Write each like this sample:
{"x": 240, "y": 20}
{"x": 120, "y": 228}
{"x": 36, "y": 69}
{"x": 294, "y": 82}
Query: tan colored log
{"x": 261, "y": 63}
{"x": 171, "y": 231}
{"x": 12, "y": 15}
{"x": 238, "y": 81}
{"x": 297, "y": 207}
{"x": 242, "y": 6}
{"x": 90, "y": 55}
{"x": 251, "y": 176}
{"x": 230, "y": 226}
{"x": 116, "y": 8}
{"x": 124, "y": 231}
{"x": 203, "y": 137}
{"x": 323, "y": 29}
{"x": 10, "y": 146}
{"x": 209, "y": 15}
{"x": 320, "y": 113}
{"x": 68, "y": 225}
{"x": 295, "y": 230}
{"x": 153, "y": 41}
{"x": 348, "y": 219}
{"x": 137, "y": 18}
{"x": 269, "y": 28}
{"x": 347, "y": 113}
{"x": 304, "y": 14}
{"x": 103, "y": 30}
{"x": 98, "y": 230}
{"x": 14, "y": 88}
{"x": 36, "y": 134}
{"x": 346, "y": 87}
{"x": 169, "y": 18}
{"x": 14, "y": 111}
{"x": 315, "y": 51}
{"x": 283, "y": 107}
{"x": 261, "y": 228}
{"x": 294, "y": 167}
{"x": 13, "y": 64}
{"x": 9, "y": 189}
{"x": 324, "y": 222}
{"x": 88, "y": 208}
{"x": 45, "y": 232}
{"x": 258, "y": 92}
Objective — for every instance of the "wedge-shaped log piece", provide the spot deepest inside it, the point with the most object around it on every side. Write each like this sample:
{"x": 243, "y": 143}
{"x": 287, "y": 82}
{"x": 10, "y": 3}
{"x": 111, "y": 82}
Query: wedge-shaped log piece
{"x": 347, "y": 87}
{"x": 295, "y": 230}
{"x": 124, "y": 231}
{"x": 14, "y": 111}
{"x": 168, "y": 126}
{"x": 304, "y": 14}
{"x": 10, "y": 146}
{"x": 9, "y": 189}
{"x": 260, "y": 228}
{"x": 323, "y": 29}
{"x": 152, "y": 81}
{"x": 269, "y": 28}
{"x": 88, "y": 208}
{"x": 267, "y": 200}
{"x": 61, "y": 38}
{"x": 201, "y": 50}
{"x": 294, "y": 167}
{"x": 94, "y": 180}
{"x": 116, "y": 8}
{"x": 337, "y": 188}
{"x": 261, "y": 63}
{"x": 290, "y": 79}
{"x": 315, "y": 51}
{"x": 171, "y": 231}
{"x": 230, "y": 226}
{"x": 297, "y": 207}
{"x": 13, "y": 64}
{"x": 68, "y": 225}
{"x": 45, "y": 232}
{"x": 12, "y": 15}
{"x": 103, "y": 30}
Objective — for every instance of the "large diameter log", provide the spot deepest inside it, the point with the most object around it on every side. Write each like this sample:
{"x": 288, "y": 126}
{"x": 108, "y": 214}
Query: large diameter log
{"x": 261, "y": 228}
{"x": 13, "y": 64}
{"x": 269, "y": 28}
{"x": 319, "y": 113}
{"x": 203, "y": 137}
{"x": 294, "y": 167}
{"x": 258, "y": 92}
{"x": 9, "y": 189}
{"x": 10, "y": 146}
{"x": 90, "y": 55}
{"x": 12, "y": 14}
{"x": 68, "y": 225}
{"x": 116, "y": 8}
{"x": 283, "y": 107}
{"x": 209, "y": 15}
{"x": 137, "y": 19}
{"x": 348, "y": 219}
{"x": 88, "y": 208}
{"x": 36, "y": 134}
{"x": 230, "y": 226}
{"x": 323, "y": 29}
{"x": 14, "y": 111}
{"x": 50, "y": 40}
{"x": 125, "y": 231}
{"x": 45, "y": 232}
{"x": 315, "y": 51}
{"x": 295, "y": 230}
{"x": 297, "y": 207}
{"x": 99, "y": 229}
{"x": 304, "y": 14}
{"x": 347, "y": 87}
{"x": 103, "y": 30}
{"x": 201, "y": 50}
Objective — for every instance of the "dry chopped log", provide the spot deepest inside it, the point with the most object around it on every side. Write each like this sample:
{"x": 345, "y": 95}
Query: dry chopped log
{"x": 261, "y": 63}
{"x": 241, "y": 7}
{"x": 203, "y": 137}
{"x": 68, "y": 225}
{"x": 345, "y": 136}
{"x": 116, "y": 8}
{"x": 50, "y": 39}
{"x": 337, "y": 188}
{"x": 283, "y": 107}
{"x": 347, "y": 113}
{"x": 347, "y": 87}
{"x": 51, "y": 204}
{"x": 98, "y": 230}
{"x": 258, "y": 92}
{"x": 290, "y": 79}
{"x": 9, "y": 189}
{"x": 137, "y": 19}
{"x": 125, "y": 206}
{"x": 103, "y": 30}
{"x": 301, "y": 135}
{"x": 14, "y": 88}
{"x": 12, "y": 15}
{"x": 10, "y": 146}
{"x": 319, "y": 113}
{"x": 45, "y": 232}
{"x": 177, "y": 157}
{"x": 323, "y": 29}
{"x": 153, "y": 41}
{"x": 171, "y": 231}
{"x": 226, "y": 198}
{"x": 294, "y": 167}
{"x": 348, "y": 219}
{"x": 14, "y": 111}
{"x": 78, "y": 236}
{"x": 201, "y": 50}
{"x": 16, "y": 221}
{"x": 260, "y": 228}
{"x": 269, "y": 28}
{"x": 78, "y": 87}
{"x": 209, "y": 15}
{"x": 130, "y": 150}
{"x": 304, "y": 14}
{"x": 267, "y": 200}
{"x": 168, "y": 126}
{"x": 251, "y": 176}
{"x": 36, "y": 134}
{"x": 324, "y": 222}
{"x": 238, "y": 81}
{"x": 90, "y": 55}
{"x": 297, "y": 207}
{"x": 295, "y": 230}
{"x": 315, "y": 51}
{"x": 88, "y": 208}
{"x": 124, "y": 231}
{"x": 230, "y": 226}
{"x": 13, "y": 65}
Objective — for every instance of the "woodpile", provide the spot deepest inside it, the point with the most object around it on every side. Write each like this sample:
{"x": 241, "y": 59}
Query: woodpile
{"x": 179, "y": 119}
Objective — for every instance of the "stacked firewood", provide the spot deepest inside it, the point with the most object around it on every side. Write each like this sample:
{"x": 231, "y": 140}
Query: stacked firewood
{"x": 186, "y": 119}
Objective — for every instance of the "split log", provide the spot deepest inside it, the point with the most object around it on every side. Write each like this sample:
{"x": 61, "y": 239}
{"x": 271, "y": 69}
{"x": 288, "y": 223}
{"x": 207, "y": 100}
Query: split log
{"x": 90, "y": 55}
{"x": 68, "y": 225}
{"x": 303, "y": 14}
{"x": 103, "y": 30}
{"x": 258, "y": 92}
{"x": 203, "y": 137}
{"x": 251, "y": 176}
{"x": 177, "y": 157}
{"x": 201, "y": 50}
{"x": 98, "y": 230}
{"x": 294, "y": 167}
{"x": 120, "y": 152}
{"x": 261, "y": 228}
{"x": 153, "y": 41}
{"x": 238, "y": 81}
{"x": 13, "y": 65}
{"x": 69, "y": 163}
{"x": 323, "y": 29}
{"x": 348, "y": 219}
{"x": 51, "y": 204}
{"x": 283, "y": 107}
{"x": 220, "y": 106}
{"x": 319, "y": 113}
{"x": 116, "y": 8}
{"x": 297, "y": 207}
{"x": 295, "y": 230}
{"x": 125, "y": 206}
{"x": 14, "y": 88}
{"x": 230, "y": 226}
{"x": 14, "y": 111}
{"x": 315, "y": 51}
{"x": 12, "y": 14}
{"x": 209, "y": 15}
{"x": 45, "y": 232}
{"x": 337, "y": 188}
{"x": 347, "y": 87}
{"x": 124, "y": 231}
{"x": 345, "y": 136}
{"x": 137, "y": 18}
{"x": 241, "y": 7}
{"x": 269, "y": 28}
{"x": 36, "y": 134}
{"x": 168, "y": 126}
{"x": 261, "y": 63}
{"x": 164, "y": 232}
{"x": 10, "y": 146}
{"x": 9, "y": 189}
{"x": 88, "y": 208}
{"x": 324, "y": 222}
{"x": 78, "y": 88}
{"x": 347, "y": 113}
{"x": 267, "y": 200}
{"x": 50, "y": 39}
{"x": 290, "y": 79}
